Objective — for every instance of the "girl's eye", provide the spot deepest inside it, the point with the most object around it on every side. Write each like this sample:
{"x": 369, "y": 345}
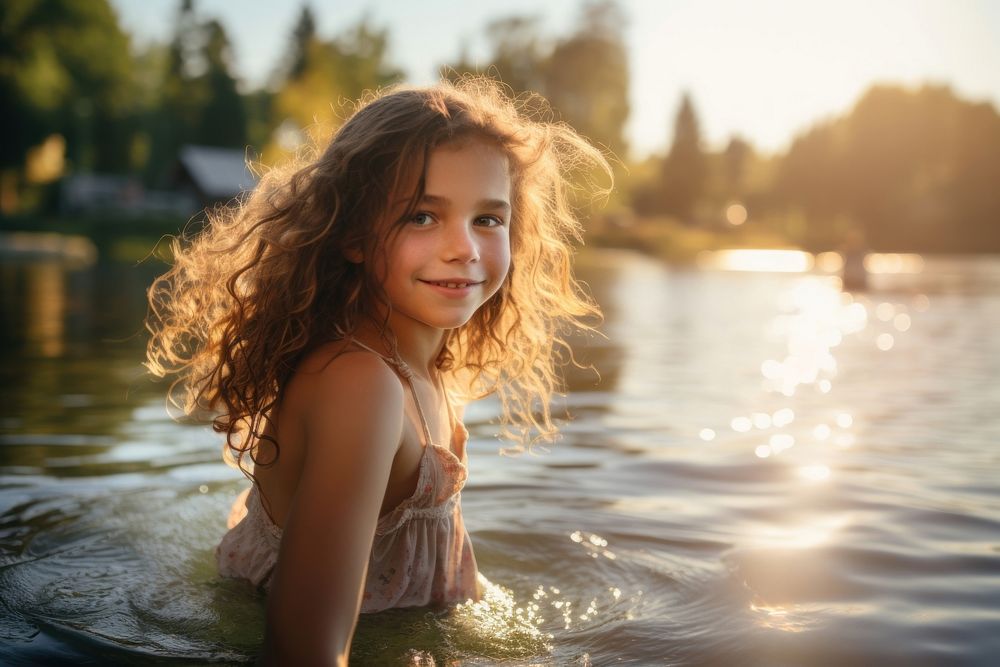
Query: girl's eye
{"x": 490, "y": 221}
{"x": 422, "y": 219}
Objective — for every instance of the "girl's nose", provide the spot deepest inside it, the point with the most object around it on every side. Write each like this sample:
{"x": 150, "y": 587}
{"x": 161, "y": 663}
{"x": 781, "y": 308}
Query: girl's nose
{"x": 460, "y": 244}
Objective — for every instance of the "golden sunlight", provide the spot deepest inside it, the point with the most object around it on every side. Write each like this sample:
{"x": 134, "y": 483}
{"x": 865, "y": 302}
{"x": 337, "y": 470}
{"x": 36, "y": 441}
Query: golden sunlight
{"x": 815, "y": 473}
{"x": 894, "y": 263}
{"x": 776, "y": 261}
{"x": 830, "y": 262}
{"x": 777, "y": 617}
{"x": 807, "y": 534}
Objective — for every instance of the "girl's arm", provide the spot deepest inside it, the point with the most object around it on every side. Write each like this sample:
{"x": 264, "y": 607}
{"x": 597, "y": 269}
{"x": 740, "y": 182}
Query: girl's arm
{"x": 353, "y": 426}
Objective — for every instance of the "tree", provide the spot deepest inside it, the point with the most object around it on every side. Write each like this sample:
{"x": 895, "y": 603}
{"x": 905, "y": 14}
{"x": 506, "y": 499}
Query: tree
{"x": 335, "y": 71}
{"x": 222, "y": 120}
{"x": 174, "y": 123}
{"x": 914, "y": 169}
{"x": 200, "y": 103}
{"x": 735, "y": 160}
{"x": 518, "y": 55}
{"x": 65, "y": 69}
{"x": 684, "y": 169}
{"x": 586, "y": 78}
{"x": 295, "y": 61}
{"x": 362, "y": 54}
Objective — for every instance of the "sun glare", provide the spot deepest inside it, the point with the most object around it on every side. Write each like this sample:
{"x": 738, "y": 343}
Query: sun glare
{"x": 775, "y": 261}
{"x": 894, "y": 263}
{"x": 815, "y": 473}
{"x": 771, "y": 68}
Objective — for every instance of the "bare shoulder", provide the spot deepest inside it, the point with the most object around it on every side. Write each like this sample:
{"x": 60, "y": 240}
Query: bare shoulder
{"x": 336, "y": 367}
{"x": 343, "y": 391}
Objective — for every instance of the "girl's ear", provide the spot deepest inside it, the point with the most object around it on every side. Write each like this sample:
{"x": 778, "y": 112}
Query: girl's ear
{"x": 353, "y": 255}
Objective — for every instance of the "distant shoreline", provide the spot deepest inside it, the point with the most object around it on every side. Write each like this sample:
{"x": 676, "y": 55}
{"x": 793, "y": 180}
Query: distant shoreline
{"x": 125, "y": 239}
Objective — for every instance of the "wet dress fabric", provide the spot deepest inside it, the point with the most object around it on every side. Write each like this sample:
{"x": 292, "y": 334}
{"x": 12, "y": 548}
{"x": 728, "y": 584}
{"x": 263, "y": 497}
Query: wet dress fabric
{"x": 421, "y": 554}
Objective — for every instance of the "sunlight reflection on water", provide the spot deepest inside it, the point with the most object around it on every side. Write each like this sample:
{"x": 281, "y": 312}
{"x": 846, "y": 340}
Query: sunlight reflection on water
{"x": 778, "y": 261}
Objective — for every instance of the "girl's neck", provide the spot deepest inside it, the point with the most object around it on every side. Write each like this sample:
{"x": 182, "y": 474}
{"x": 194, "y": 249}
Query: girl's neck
{"x": 416, "y": 343}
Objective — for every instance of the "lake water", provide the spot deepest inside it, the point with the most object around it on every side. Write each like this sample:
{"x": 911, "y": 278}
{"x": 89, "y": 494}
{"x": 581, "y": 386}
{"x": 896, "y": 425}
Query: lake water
{"x": 767, "y": 472}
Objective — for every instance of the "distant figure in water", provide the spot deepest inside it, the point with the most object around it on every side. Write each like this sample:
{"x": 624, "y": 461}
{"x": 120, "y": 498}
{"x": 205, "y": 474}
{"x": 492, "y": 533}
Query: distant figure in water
{"x": 854, "y": 276}
{"x": 336, "y": 323}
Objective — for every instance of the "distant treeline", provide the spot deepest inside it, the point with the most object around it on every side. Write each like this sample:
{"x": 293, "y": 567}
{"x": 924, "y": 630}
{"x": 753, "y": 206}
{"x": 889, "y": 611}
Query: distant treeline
{"x": 910, "y": 169}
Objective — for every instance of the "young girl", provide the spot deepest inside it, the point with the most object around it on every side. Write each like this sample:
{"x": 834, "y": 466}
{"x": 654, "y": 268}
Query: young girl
{"x": 335, "y": 322}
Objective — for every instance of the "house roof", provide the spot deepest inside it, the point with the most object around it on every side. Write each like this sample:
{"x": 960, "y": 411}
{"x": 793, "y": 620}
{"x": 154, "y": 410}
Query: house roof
{"x": 217, "y": 172}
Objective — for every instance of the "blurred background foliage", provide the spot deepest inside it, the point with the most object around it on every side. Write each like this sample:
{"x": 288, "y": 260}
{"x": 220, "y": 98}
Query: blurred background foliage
{"x": 910, "y": 169}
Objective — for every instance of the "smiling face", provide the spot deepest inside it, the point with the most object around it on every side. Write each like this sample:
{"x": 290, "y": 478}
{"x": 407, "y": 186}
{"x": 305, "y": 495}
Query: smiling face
{"x": 450, "y": 257}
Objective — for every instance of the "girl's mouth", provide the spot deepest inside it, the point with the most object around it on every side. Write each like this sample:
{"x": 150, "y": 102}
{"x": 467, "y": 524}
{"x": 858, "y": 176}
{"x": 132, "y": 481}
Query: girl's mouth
{"x": 452, "y": 284}
{"x": 453, "y": 289}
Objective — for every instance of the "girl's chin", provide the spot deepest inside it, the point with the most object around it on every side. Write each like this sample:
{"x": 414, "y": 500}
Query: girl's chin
{"x": 444, "y": 322}
{"x": 450, "y": 323}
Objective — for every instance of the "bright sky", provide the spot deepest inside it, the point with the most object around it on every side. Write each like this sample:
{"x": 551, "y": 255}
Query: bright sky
{"x": 764, "y": 70}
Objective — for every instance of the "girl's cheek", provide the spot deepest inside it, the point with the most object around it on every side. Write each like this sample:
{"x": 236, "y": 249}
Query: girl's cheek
{"x": 503, "y": 249}
{"x": 501, "y": 262}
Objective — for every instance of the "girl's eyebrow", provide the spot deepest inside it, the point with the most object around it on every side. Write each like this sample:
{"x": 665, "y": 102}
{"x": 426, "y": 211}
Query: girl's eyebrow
{"x": 489, "y": 204}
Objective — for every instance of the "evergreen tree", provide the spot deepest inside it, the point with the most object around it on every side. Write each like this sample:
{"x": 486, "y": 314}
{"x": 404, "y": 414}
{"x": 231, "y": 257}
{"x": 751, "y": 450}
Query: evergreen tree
{"x": 176, "y": 121}
{"x": 222, "y": 119}
{"x": 200, "y": 102}
{"x": 684, "y": 170}
{"x": 296, "y": 60}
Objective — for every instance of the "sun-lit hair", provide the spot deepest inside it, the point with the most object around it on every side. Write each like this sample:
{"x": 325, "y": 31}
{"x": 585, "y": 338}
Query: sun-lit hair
{"x": 267, "y": 281}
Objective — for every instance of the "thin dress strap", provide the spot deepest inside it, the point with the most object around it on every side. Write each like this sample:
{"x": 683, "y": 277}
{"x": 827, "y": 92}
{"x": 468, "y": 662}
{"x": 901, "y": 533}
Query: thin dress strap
{"x": 404, "y": 370}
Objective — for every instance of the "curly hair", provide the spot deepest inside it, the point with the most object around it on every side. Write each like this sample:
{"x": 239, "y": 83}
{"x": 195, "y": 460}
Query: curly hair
{"x": 267, "y": 280}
